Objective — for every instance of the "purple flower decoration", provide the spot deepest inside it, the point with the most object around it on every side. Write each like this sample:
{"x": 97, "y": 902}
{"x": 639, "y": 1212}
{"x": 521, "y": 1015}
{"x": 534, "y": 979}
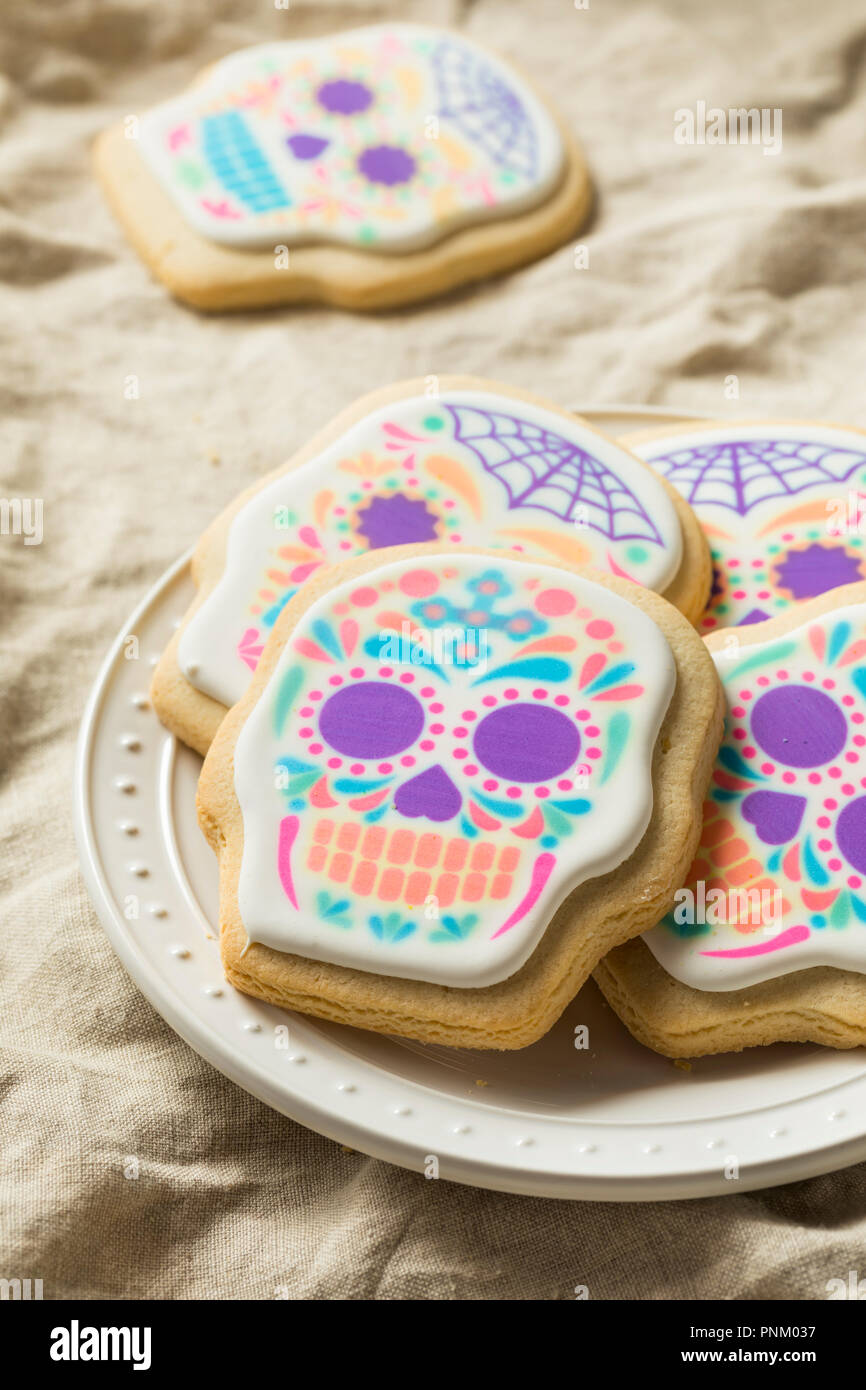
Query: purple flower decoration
{"x": 386, "y": 164}
{"x": 807, "y": 573}
{"x": 343, "y": 97}
{"x": 396, "y": 520}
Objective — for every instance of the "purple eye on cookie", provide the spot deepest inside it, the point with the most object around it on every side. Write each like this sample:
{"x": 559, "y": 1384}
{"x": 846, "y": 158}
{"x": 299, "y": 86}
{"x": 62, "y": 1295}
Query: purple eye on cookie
{"x": 851, "y": 833}
{"x": 372, "y": 719}
{"x": 342, "y": 97}
{"x": 375, "y": 719}
{"x": 526, "y": 743}
{"x": 799, "y": 726}
{"x": 386, "y": 164}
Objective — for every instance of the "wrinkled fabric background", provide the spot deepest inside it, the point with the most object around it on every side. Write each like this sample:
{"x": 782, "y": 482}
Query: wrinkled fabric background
{"x": 704, "y": 262}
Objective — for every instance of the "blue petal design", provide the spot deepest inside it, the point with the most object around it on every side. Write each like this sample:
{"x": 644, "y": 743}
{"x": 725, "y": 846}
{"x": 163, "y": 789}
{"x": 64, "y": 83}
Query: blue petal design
{"x": 334, "y": 912}
{"x": 373, "y": 649}
{"x": 356, "y": 786}
{"x": 450, "y": 929}
{"x": 576, "y": 807}
{"x": 731, "y": 759}
{"x": 506, "y": 809}
{"x": 814, "y": 867}
{"x": 302, "y": 782}
{"x": 294, "y": 765}
{"x": 839, "y": 911}
{"x": 391, "y": 928}
{"x": 617, "y": 736}
{"x": 289, "y": 687}
{"x": 560, "y": 825}
{"x": 761, "y": 658}
{"x": 838, "y": 641}
{"x": 543, "y": 668}
{"x": 272, "y": 613}
{"x": 326, "y": 638}
{"x": 613, "y": 676}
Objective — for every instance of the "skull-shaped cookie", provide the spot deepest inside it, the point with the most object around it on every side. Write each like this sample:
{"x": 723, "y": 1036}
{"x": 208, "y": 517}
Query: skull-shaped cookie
{"x": 444, "y": 750}
{"x": 474, "y": 465}
{"x": 783, "y": 505}
{"x": 387, "y": 138}
{"x": 778, "y": 883}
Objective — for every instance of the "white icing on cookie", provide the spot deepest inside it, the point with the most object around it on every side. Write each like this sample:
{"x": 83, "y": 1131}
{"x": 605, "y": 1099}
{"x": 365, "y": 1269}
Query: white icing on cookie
{"x": 447, "y": 747}
{"x": 474, "y": 467}
{"x": 778, "y": 883}
{"x": 783, "y": 505}
{"x": 385, "y": 139}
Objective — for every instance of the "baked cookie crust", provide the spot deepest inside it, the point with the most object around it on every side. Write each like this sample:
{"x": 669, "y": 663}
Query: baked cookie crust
{"x": 821, "y": 1005}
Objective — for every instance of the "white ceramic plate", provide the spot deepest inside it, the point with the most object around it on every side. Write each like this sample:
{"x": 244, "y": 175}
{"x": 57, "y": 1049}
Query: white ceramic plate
{"x": 613, "y": 1121}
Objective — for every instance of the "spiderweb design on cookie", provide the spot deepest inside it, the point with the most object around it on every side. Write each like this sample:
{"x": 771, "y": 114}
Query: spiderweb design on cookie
{"x": 740, "y": 474}
{"x": 539, "y": 468}
{"x": 487, "y": 111}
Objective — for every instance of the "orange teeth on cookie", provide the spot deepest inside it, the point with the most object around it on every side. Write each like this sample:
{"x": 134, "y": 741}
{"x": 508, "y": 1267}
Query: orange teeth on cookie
{"x": 402, "y": 866}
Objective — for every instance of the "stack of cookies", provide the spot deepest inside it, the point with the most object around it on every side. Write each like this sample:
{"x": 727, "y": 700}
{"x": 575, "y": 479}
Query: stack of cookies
{"x": 465, "y": 741}
{"x": 489, "y": 701}
{"x": 458, "y": 721}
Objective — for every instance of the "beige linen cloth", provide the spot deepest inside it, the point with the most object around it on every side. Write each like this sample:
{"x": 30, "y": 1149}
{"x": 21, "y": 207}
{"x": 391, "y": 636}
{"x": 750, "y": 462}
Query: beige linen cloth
{"x": 705, "y": 263}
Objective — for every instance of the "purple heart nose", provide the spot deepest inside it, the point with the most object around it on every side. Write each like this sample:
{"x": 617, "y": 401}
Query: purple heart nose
{"x": 307, "y": 146}
{"x": 775, "y": 815}
{"x": 431, "y": 794}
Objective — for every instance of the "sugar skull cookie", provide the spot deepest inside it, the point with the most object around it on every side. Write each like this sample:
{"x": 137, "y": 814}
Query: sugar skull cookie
{"x": 767, "y": 940}
{"x": 455, "y": 780}
{"x": 783, "y": 504}
{"x": 477, "y": 464}
{"x": 367, "y": 168}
